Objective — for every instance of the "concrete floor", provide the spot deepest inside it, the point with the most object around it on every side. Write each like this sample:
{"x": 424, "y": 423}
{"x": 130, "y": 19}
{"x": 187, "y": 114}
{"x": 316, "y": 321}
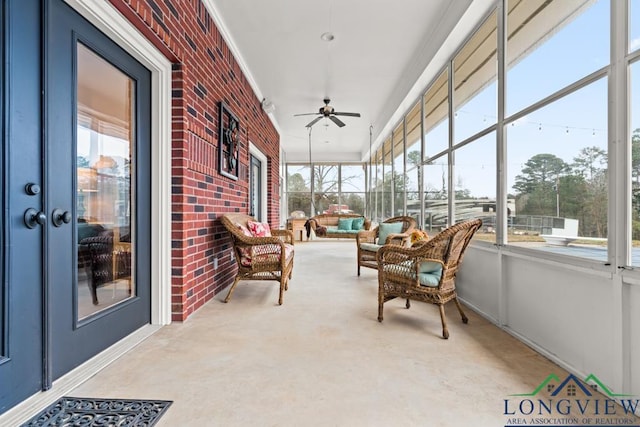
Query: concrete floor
{"x": 323, "y": 359}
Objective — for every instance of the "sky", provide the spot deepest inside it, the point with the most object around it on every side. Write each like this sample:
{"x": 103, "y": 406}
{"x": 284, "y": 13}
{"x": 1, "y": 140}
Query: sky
{"x": 561, "y": 128}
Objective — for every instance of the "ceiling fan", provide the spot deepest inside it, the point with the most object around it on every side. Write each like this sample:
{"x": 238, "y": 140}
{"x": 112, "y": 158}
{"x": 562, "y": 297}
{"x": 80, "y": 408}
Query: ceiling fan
{"x": 330, "y": 113}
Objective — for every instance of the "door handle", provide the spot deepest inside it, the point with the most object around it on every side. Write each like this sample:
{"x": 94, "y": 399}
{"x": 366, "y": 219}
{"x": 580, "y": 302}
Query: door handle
{"x": 58, "y": 216}
{"x": 33, "y": 217}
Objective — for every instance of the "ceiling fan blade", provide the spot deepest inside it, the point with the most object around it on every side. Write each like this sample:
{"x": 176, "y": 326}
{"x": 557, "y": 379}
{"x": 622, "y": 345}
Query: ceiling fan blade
{"x": 305, "y": 114}
{"x": 336, "y": 121}
{"x": 347, "y": 114}
{"x": 313, "y": 122}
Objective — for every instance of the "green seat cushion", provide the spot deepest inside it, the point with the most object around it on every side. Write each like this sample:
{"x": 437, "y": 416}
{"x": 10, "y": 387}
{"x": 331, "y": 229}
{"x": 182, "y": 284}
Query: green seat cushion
{"x": 345, "y": 223}
{"x": 338, "y": 231}
{"x": 429, "y": 267}
{"x": 332, "y": 228}
{"x": 370, "y": 247}
{"x": 357, "y": 223}
{"x": 430, "y": 279}
{"x": 384, "y": 229}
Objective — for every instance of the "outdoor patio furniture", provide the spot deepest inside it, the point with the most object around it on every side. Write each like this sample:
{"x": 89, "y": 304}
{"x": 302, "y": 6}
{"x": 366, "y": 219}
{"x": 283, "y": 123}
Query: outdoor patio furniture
{"x": 259, "y": 258}
{"x": 394, "y": 230}
{"x": 109, "y": 261}
{"x": 337, "y": 225}
{"x": 426, "y": 271}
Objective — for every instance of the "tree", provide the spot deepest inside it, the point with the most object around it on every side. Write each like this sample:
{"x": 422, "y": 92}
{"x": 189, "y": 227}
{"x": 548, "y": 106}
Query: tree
{"x": 635, "y": 156}
{"x": 589, "y": 162}
{"x": 635, "y": 185}
{"x": 591, "y": 166}
{"x": 296, "y": 182}
{"x": 540, "y": 182}
{"x": 326, "y": 186}
{"x": 540, "y": 171}
{"x": 414, "y": 159}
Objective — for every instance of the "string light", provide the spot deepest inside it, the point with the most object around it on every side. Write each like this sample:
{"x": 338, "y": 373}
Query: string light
{"x": 567, "y": 129}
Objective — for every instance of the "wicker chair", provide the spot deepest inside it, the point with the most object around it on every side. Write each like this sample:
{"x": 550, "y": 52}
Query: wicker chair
{"x": 427, "y": 271}
{"x": 260, "y": 258}
{"x": 108, "y": 262}
{"x": 368, "y": 243}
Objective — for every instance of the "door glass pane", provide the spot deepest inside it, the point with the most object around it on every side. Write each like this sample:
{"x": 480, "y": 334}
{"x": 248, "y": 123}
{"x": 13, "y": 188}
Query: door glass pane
{"x": 105, "y": 166}
{"x": 254, "y": 188}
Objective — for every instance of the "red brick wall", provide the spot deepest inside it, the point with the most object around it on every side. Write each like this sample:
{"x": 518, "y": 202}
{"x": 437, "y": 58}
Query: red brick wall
{"x": 204, "y": 73}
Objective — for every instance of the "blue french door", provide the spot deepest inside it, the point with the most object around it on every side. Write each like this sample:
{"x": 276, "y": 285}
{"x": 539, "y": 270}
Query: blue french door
{"x": 97, "y": 127}
{"x": 21, "y": 291}
{"x": 76, "y": 194}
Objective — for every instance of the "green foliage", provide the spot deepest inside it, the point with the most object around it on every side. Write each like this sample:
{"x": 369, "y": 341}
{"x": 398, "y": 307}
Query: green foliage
{"x": 548, "y": 186}
{"x": 635, "y": 182}
{"x": 539, "y": 173}
{"x": 296, "y": 182}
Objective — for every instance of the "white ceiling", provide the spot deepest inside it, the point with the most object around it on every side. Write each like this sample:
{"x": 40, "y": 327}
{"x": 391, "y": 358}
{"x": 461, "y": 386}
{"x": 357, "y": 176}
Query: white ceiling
{"x": 373, "y": 66}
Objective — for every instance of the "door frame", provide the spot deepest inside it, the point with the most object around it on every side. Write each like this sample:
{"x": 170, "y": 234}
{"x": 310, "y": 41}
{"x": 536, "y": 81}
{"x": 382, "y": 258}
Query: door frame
{"x": 255, "y": 152}
{"x": 106, "y": 18}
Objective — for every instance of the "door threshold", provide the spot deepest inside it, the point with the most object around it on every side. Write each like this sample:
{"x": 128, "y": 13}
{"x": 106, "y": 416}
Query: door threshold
{"x": 65, "y": 384}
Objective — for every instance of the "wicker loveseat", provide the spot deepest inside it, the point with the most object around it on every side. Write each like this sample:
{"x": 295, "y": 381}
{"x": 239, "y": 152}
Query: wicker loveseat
{"x": 334, "y": 225}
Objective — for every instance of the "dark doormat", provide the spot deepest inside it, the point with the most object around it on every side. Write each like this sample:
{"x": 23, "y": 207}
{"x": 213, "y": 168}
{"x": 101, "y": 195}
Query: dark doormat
{"x": 78, "y": 411}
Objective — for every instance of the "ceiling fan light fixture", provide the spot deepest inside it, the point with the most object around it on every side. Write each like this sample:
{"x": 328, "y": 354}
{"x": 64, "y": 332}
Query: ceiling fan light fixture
{"x": 327, "y": 37}
{"x": 268, "y": 106}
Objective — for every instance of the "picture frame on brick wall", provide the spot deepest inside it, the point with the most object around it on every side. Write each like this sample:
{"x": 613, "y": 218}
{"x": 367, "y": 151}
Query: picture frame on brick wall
{"x": 228, "y": 142}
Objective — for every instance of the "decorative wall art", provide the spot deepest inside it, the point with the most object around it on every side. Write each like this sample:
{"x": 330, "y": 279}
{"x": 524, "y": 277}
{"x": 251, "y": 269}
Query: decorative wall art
{"x": 228, "y": 142}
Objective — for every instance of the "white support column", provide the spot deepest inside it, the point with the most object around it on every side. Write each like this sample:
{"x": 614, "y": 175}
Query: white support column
{"x": 619, "y": 189}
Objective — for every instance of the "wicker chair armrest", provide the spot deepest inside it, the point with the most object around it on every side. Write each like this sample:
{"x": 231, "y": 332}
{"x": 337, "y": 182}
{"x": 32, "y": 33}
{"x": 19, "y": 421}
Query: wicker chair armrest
{"x": 396, "y": 250}
{"x": 253, "y": 241}
{"x": 422, "y": 252}
{"x": 287, "y": 234}
{"x": 397, "y": 238}
{"x": 430, "y": 249}
{"x": 368, "y": 236}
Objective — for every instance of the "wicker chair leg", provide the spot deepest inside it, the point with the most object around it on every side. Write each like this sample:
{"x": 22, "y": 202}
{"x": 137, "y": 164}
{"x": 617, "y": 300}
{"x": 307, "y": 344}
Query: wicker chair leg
{"x": 283, "y": 285}
{"x": 94, "y": 292}
{"x": 358, "y": 268}
{"x": 380, "y": 308}
{"x": 445, "y": 331}
{"x": 235, "y": 282}
{"x": 408, "y": 304}
{"x": 465, "y": 320}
